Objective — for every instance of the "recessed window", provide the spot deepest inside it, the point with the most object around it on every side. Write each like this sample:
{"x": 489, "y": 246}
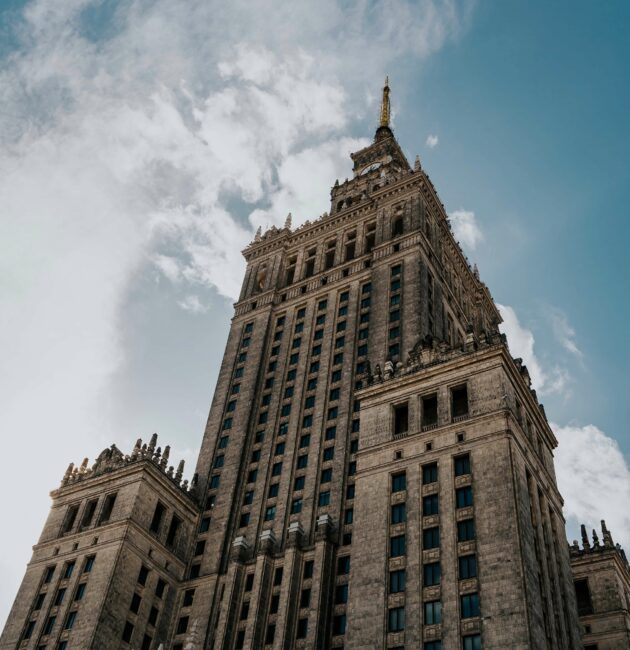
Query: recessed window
{"x": 339, "y": 624}
{"x": 298, "y": 483}
{"x": 583, "y": 596}
{"x": 127, "y": 632}
{"x": 108, "y": 508}
{"x": 429, "y": 410}
{"x": 433, "y": 612}
{"x": 431, "y": 538}
{"x": 176, "y": 523}
{"x": 331, "y": 432}
{"x": 464, "y": 497}
{"x": 160, "y": 587}
{"x": 431, "y": 574}
{"x": 399, "y": 482}
{"x": 296, "y": 506}
{"x": 467, "y": 567}
{"x": 182, "y": 625}
{"x": 459, "y": 400}
{"x": 273, "y": 490}
{"x": 462, "y": 465}
{"x": 429, "y": 473}
{"x": 308, "y": 570}
{"x": 397, "y": 546}
{"x": 473, "y": 642}
{"x": 397, "y": 581}
{"x": 136, "y": 599}
{"x": 251, "y": 476}
{"x": 276, "y": 469}
{"x": 465, "y": 530}
{"x": 270, "y": 513}
{"x": 396, "y": 619}
{"x": 243, "y": 520}
{"x": 67, "y": 573}
{"x": 401, "y": 418}
{"x": 70, "y": 518}
{"x": 324, "y": 499}
{"x": 305, "y": 440}
{"x": 399, "y": 513}
{"x": 470, "y": 605}
{"x": 430, "y": 505}
{"x": 275, "y": 604}
{"x": 329, "y": 453}
{"x": 302, "y": 461}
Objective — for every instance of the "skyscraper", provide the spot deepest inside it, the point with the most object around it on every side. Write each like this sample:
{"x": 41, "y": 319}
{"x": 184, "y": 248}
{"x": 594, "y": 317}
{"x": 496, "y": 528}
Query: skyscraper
{"x": 376, "y": 470}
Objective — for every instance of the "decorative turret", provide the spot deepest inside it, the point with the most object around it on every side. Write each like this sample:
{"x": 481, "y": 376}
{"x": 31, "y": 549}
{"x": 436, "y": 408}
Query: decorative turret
{"x": 112, "y": 458}
{"x": 596, "y": 546}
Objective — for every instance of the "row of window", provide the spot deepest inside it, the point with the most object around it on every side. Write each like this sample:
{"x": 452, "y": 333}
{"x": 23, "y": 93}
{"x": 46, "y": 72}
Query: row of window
{"x": 134, "y": 607}
{"x": 88, "y": 516}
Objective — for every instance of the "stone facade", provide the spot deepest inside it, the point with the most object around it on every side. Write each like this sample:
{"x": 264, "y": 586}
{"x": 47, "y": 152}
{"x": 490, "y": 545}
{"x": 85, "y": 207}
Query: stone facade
{"x": 602, "y": 584}
{"x": 376, "y": 471}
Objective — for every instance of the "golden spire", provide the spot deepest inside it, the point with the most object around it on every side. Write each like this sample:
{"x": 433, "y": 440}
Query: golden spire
{"x": 385, "y": 105}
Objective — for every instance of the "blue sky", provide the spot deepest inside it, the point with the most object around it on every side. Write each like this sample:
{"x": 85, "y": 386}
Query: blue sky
{"x": 142, "y": 143}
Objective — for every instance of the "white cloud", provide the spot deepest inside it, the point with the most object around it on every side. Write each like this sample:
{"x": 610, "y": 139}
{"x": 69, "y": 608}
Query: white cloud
{"x": 521, "y": 342}
{"x": 193, "y": 304}
{"x": 594, "y": 479}
{"x": 125, "y": 132}
{"x": 466, "y": 228}
{"x": 432, "y": 141}
{"x": 564, "y": 333}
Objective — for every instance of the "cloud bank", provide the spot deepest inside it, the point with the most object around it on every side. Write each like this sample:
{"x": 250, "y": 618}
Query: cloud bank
{"x": 466, "y": 228}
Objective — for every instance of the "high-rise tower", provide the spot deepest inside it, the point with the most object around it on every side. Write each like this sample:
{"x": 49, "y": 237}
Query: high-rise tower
{"x": 376, "y": 471}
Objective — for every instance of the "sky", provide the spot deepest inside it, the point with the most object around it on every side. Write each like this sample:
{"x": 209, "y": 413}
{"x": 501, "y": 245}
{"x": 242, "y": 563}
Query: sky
{"x": 142, "y": 143}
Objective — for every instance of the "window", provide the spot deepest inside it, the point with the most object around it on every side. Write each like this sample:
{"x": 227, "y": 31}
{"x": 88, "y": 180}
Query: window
{"x": 307, "y": 421}
{"x": 338, "y": 358}
{"x": 242, "y": 357}
{"x": 343, "y": 565}
{"x": 248, "y": 497}
{"x": 329, "y": 453}
{"x": 223, "y": 441}
{"x": 394, "y": 300}
{"x": 314, "y": 367}
{"x": 473, "y": 642}
{"x": 324, "y": 499}
{"x": 127, "y": 632}
{"x": 470, "y": 605}
{"x": 293, "y": 359}
{"x": 182, "y": 625}
{"x": 286, "y": 410}
{"x": 80, "y": 592}
{"x": 364, "y": 333}
{"x": 431, "y": 538}
{"x": 39, "y": 601}
{"x": 275, "y": 603}
{"x": 59, "y": 596}
{"x": 433, "y": 612}
{"x": 194, "y": 571}
{"x": 259, "y": 437}
{"x": 318, "y": 336}
{"x": 291, "y": 374}
{"x": 394, "y": 332}
{"x": 305, "y": 440}
{"x": 396, "y": 619}
{"x": 350, "y": 491}
{"x": 210, "y": 501}
{"x": 283, "y": 429}
{"x": 429, "y": 473}
{"x": 467, "y": 567}
{"x": 214, "y": 481}
{"x": 279, "y": 449}
{"x": 332, "y": 413}
{"x": 298, "y": 484}
{"x": 462, "y": 465}
{"x": 159, "y": 588}
{"x": 302, "y": 461}
{"x": 69, "y": 519}
{"x": 339, "y": 624}
{"x": 273, "y": 490}
{"x": 238, "y": 373}
{"x": 266, "y": 400}
{"x": 249, "y": 582}
{"x": 108, "y": 507}
{"x": 50, "y": 624}
{"x": 269, "y": 382}
{"x": 246, "y": 342}
{"x": 430, "y": 505}
{"x": 143, "y": 575}
{"x": 326, "y": 476}
{"x": 296, "y": 506}
{"x": 397, "y": 546}
{"x": 334, "y": 394}
{"x": 270, "y": 513}
{"x": 153, "y": 616}
{"x": 276, "y": 469}
{"x": 218, "y": 461}
{"x": 172, "y": 530}
{"x": 429, "y": 411}
{"x": 397, "y": 581}
{"x": 394, "y": 315}
{"x": 341, "y": 594}
{"x": 399, "y": 513}
{"x": 68, "y": 570}
{"x": 431, "y": 574}
{"x": 348, "y": 516}
{"x": 465, "y": 530}
{"x": 28, "y": 632}
{"x": 146, "y": 642}
{"x": 308, "y": 569}
{"x": 309, "y": 402}
{"x": 459, "y": 397}
{"x": 339, "y": 343}
{"x": 464, "y": 496}
{"x": 248, "y": 328}
{"x": 312, "y": 384}
{"x": 401, "y": 418}
{"x": 331, "y": 432}
{"x": 399, "y": 482}
{"x": 302, "y": 628}
{"x": 394, "y": 350}
{"x": 136, "y": 599}
{"x": 227, "y": 424}
{"x": 277, "y": 576}
{"x": 583, "y": 596}
{"x": 352, "y": 468}
{"x": 355, "y": 427}
{"x": 231, "y": 406}
{"x": 89, "y": 563}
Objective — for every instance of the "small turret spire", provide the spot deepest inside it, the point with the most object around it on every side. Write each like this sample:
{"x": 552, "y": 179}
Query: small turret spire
{"x": 385, "y": 108}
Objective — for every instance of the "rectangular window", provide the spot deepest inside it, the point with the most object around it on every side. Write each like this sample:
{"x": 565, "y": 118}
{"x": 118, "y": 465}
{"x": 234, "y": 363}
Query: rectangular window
{"x": 433, "y": 612}
{"x": 330, "y": 434}
{"x": 283, "y": 429}
{"x": 59, "y": 596}
{"x": 127, "y": 632}
{"x": 305, "y": 440}
{"x": 108, "y": 507}
{"x": 322, "y": 304}
{"x": 227, "y": 424}
{"x": 312, "y": 384}
{"x": 286, "y": 410}
{"x": 429, "y": 410}
{"x": 399, "y": 513}
{"x": 276, "y": 469}
{"x": 89, "y": 563}
{"x": 293, "y": 359}
{"x": 470, "y": 605}
{"x": 362, "y": 350}
{"x": 218, "y": 461}
{"x": 397, "y": 546}
{"x": 307, "y": 421}
{"x": 467, "y": 567}
{"x": 248, "y": 497}
{"x": 39, "y": 601}
{"x": 343, "y": 565}
{"x": 462, "y": 465}
{"x": 394, "y": 315}
{"x": 431, "y": 538}
{"x": 223, "y": 442}
{"x": 159, "y": 588}
{"x": 136, "y": 599}
{"x": 302, "y": 461}
{"x": 352, "y": 468}
{"x": 431, "y": 574}
{"x": 298, "y": 483}
{"x": 238, "y": 373}
{"x": 273, "y": 490}
{"x": 308, "y": 570}
{"x": 583, "y": 596}
{"x": 329, "y": 453}
{"x": 270, "y": 513}
{"x": 291, "y": 374}
{"x": 172, "y": 530}
{"x": 364, "y": 334}
{"x": 182, "y": 625}
{"x": 459, "y": 397}
{"x": 348, "y": 516}
{"x": 309, "y": 402}
{"x": 332, "y": 413}
{"x": 339, "y": 624}
{"x": 430, "y": 505}
{"x": 401, "y": 418}
{"x": 334, "y": 394}
{"x": 350, "y": 491}
{"x": 275, "y": 603}
{"x": 473, "y": 642}
{"x": 429, "y": 473}
{"x": 316, "y": 351}
{"x": 242, "y": 357}
{"x": 67, "y": 574}
{"x": 244, "y": 611}
{"x": 341, "y": 594}
{"x": 214, "y": 481}
{"x": 302, "y": 310}
{"x": 80, "y": 592}
{"x": 397, "y": 581}
{"x": 50, "y": 624}
{"x": 302, "y": 628}
{"x": 143, "y": 574}
{"x": 279, "y": 449}
{"x": 396, "y": 270}
{"x": 396, "y": 619}
{"x": 465, "y": 530}
{"x": 88, "y": 514}
{"x": 243, "y": 520}
{"x": 338, "y": 358}
{"x": 296, "y": 506}
{"x": 324, "y": 499}
{"x": 464, "y": 497}
{"x": 399, "y": 482}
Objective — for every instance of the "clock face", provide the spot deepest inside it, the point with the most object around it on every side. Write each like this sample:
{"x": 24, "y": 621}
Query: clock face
{"x": 370, "y": 168}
